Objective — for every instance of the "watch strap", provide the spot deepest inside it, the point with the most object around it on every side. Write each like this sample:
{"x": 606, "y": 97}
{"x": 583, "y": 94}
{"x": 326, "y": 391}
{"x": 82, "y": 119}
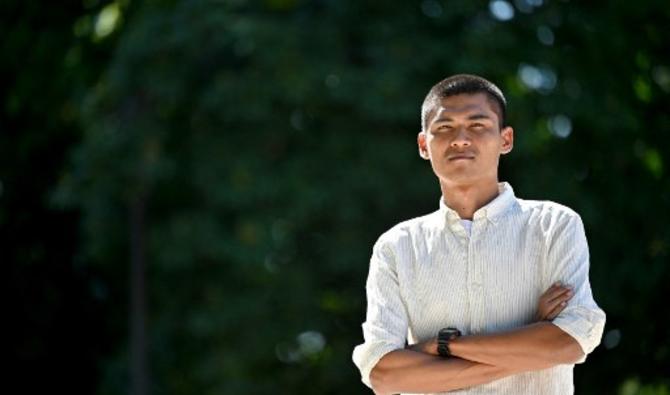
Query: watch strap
{"x": 444, "y": 336}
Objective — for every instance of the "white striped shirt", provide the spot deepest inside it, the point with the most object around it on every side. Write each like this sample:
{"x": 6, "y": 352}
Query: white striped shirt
{"x": 428, "y": 273}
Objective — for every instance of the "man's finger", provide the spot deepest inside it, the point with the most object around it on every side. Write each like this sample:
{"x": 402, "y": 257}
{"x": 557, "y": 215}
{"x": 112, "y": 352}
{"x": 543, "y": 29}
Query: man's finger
{"x": 563, "y": 297}
{"x": 557, "y": 310}
{"x": 565, "y": 293}
{"x": 554, "y": 287}
{"x": 556, "y": 293}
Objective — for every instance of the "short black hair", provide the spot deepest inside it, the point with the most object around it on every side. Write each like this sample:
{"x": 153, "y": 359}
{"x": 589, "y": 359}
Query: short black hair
{"x": 459, "y": 84}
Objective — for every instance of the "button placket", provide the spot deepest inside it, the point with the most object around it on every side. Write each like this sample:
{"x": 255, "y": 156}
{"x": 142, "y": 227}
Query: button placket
{"x": 475, "y": 267}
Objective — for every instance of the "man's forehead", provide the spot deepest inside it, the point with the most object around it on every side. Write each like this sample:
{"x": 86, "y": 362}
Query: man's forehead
{"x": 465, "y": 103}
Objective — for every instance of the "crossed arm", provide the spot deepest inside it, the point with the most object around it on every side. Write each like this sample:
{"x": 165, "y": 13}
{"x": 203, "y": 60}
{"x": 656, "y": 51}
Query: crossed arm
{"x": 480, "y": 359}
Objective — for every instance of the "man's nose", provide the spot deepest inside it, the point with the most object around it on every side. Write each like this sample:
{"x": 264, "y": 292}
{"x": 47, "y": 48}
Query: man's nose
{"x": 461, "y": 139}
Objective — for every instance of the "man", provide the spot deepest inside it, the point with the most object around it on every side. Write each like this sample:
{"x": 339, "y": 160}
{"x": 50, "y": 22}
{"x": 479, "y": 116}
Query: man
{"x": 462, "y": 285}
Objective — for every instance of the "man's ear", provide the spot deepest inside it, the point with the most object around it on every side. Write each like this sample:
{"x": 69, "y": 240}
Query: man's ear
{"x": 507, "y": 134}
{"x": 423, "y": 149}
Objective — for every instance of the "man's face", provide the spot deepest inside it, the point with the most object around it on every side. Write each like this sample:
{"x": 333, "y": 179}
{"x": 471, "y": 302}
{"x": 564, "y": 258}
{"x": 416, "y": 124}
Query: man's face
{"x": 463, "y": 140}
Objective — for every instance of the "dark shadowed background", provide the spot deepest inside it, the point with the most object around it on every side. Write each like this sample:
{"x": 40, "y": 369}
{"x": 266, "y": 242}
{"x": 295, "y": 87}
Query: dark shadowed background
{"x": 190, "y": 190}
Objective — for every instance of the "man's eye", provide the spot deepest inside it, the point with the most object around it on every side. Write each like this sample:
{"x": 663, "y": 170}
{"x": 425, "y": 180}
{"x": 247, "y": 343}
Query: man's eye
{"x": 477, "y": 125}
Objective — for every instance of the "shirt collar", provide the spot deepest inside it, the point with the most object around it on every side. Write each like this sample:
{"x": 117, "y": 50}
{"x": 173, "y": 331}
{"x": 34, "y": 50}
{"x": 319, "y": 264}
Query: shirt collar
{"x": 492, "y": 210}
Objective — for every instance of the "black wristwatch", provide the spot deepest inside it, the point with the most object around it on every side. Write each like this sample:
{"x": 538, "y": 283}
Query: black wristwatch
{"x": 444, "y": 336}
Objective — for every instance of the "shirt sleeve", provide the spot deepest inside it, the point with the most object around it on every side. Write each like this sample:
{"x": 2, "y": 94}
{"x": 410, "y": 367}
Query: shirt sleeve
{"x": 568, "y": 258}
{"x": 385, "y": 327}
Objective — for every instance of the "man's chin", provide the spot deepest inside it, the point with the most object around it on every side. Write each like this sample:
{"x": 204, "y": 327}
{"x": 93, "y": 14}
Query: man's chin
{"x": 458, "y": 179}
{"x": 464, "y": 175}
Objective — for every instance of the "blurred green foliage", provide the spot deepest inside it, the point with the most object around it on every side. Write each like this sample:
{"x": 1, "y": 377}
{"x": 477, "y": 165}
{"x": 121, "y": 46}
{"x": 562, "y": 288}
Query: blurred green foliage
{"x": 272, "y": 143}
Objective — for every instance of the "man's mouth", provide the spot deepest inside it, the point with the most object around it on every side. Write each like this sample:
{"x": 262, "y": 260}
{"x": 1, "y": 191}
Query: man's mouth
{"x": 460, "y": 157}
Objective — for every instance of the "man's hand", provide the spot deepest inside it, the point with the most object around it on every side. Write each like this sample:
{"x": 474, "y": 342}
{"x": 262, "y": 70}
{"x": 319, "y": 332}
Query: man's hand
{"x": 553, "y": 301}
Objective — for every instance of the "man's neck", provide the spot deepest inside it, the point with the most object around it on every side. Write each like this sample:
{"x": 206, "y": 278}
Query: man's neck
{"x": 466, "y": 199}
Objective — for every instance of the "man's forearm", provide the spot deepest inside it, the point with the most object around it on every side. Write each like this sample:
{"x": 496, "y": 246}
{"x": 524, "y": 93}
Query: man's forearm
{"x": 412, "y": 371}
{"x": 536, "y": 346}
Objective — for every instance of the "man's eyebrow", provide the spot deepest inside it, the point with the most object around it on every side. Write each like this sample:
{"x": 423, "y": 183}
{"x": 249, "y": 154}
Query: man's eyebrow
{"x": 478, "y": 116}
{"x": 470, "y": 118}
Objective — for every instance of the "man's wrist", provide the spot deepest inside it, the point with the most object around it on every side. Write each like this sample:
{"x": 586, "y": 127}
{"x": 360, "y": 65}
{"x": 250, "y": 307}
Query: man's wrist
{"x": 426, "y": 347}
{"x": 431, "y": 347}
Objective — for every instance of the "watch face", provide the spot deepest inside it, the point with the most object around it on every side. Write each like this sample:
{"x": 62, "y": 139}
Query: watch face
{"x": 449, "y": 333}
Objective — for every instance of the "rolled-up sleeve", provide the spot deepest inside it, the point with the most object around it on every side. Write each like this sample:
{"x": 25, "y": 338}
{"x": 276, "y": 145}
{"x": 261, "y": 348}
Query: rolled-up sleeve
{"x": 385, "y": 327}
{"x": 568, "y": 258}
